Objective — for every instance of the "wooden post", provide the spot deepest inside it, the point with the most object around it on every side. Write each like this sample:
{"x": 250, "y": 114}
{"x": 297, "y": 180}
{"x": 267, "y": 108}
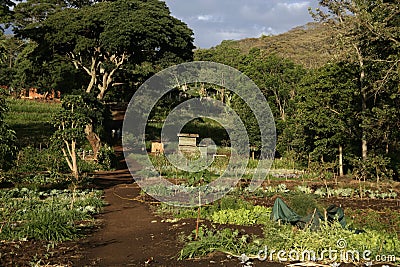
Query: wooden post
{"x": 198, "y": 218}
{"x": 341, "y": 173}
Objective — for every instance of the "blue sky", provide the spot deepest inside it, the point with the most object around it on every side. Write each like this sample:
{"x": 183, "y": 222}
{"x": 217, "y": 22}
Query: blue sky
{"x": 215, "y": 20}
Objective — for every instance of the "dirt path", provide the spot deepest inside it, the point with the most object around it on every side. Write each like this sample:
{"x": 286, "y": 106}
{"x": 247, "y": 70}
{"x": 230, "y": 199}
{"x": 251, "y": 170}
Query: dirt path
{"x": 130, "y": 233}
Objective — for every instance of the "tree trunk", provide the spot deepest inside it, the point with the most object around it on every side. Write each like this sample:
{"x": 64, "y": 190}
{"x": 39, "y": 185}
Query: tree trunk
{"x": 100, "y": 96}
{"x": 93, "y": 139}
{"x": 69, "y": 152}
{"x": 363, "y": 89}
{"x": 92, "y": 81}
{"x": 364, "y": 143}
{"x": 108, "y": 76}
{"x": 341, "y": 173}
{"x": 387, "y": 144}
{"x": 280, "y": 105}
{"x": 75, "y": 171}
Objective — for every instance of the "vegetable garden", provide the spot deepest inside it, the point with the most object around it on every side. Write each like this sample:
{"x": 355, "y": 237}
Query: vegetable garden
{"x": 369, "y": 227}
{"x": 69, "y": 196}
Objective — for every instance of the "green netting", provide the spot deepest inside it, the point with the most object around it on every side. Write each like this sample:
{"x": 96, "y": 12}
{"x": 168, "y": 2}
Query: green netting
{"x": 282, "y": 212}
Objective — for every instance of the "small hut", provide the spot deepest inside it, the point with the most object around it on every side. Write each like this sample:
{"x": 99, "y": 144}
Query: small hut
{"x": 157, "y": 147}
{"x": 188, "y": 142}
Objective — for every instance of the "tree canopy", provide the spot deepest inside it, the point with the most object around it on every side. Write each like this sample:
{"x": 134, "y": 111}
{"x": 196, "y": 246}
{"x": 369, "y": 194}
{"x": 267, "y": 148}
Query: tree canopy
{"x": 102, "y": 38}
{"x": 6, "y": 13}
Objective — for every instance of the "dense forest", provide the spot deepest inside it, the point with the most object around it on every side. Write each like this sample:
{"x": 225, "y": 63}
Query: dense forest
{"x": 333, "y": 85}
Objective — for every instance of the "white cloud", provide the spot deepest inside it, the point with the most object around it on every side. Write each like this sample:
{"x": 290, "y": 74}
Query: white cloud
{"x": 210, "y": 18}
{"x": 231, "y": 35}
{"x": 204, "y": 17}
{"x": 296, "y": 6}
{"x": 215, "y": 20}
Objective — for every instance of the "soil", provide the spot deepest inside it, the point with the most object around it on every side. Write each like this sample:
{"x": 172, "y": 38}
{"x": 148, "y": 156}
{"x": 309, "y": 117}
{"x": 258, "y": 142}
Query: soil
{"x": 129, "y": 233}
{"x": 132, "y": 235}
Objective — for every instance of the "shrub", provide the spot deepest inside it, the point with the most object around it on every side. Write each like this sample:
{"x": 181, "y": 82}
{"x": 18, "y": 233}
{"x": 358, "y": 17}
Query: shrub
{"x": 33, "y": 160}
{"x": 8, "y": 139}
{"x": 302, "y": 203}
{"x": 106, "y": 157}
{"x": 210, "y": 240}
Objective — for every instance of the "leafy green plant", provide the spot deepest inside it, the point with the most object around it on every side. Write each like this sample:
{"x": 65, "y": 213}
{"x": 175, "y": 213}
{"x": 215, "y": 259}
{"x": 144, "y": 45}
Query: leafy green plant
{"x": 70, "y": 123}
{"x": 285, "y": 238}
{"x": 301, "y": 203}
{"x": 347, "y": 192}
{"x": 304, "y": 189}
{"x": 106, "y": 157}
{"x": 210, "y": 240}
{"x": 321, "y": 192}
{"x": 8, "y": 140}
{"x": 255, "y": 215}
{"x": 386, "y": 220}
{"x": 33, "y": 160}
{"x": 46, "y": 215}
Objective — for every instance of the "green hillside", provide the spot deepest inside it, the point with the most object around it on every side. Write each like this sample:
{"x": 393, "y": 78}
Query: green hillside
{"x": 311, "y": 45}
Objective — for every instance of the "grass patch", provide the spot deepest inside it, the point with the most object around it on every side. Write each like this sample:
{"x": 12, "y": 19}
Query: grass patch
{"x": 31, "y": 120}
{"x": 286, "y": 238}
{"x": 54, "y": 215}
{"x": 386, "y": 220}
{"x": 302, "y": 204}
{"x": 226, "y": 203}
{"x": 379, "y": 235}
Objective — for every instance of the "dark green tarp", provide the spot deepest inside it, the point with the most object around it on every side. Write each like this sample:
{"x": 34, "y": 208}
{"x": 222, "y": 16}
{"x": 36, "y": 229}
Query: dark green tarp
{"x": 281, "y": 212}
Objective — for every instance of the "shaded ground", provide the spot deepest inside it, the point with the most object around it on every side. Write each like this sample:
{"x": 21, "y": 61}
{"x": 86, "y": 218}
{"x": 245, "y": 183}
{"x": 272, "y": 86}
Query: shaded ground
{"x": 132, "y": 235}
{"x": 129, "y": 234}
{"x": 28, "y": 253}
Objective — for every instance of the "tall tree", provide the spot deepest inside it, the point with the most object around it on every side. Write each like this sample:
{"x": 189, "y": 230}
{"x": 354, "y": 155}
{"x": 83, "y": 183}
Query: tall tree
{"x": 5, "y": 18}
{"x": 277, "y": 78}
{"x": 3, "y": 49}
{"x": 31, "y": 14}
{"x": 101, "y": 39}
{"x": 368, "y": 29}
{"x": 326, "y": 112}
{"x": 225, "y": 53}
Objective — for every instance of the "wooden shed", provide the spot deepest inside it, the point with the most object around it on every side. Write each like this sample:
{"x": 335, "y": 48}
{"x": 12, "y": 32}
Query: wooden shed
{"x": 188, "y": 142}
{"x": 188, "y": 139}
